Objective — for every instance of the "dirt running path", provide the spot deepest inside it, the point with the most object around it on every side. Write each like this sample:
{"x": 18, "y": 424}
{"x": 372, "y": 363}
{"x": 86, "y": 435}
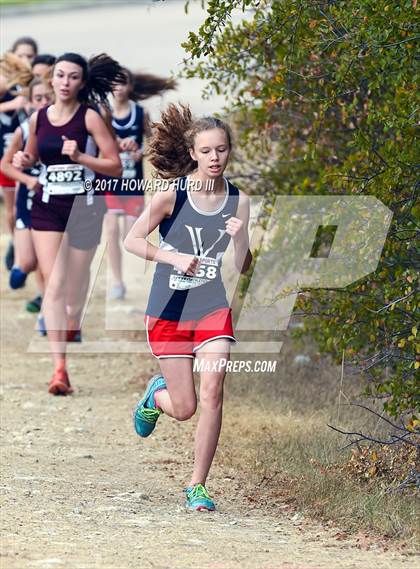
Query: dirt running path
{"x": 80, "y": 490}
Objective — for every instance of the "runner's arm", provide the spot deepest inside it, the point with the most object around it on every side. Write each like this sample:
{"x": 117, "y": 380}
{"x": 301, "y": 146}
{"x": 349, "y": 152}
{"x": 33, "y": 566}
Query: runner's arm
{"x": 26, "y": 158}
{"x": 138, "y": 153}
{"x": 109, "y": 163}
{"x": 19, "y": 102}
{"x": 161, "y": 205}
{"x": 7, "y": 161}
{"x": 237, "y": 228}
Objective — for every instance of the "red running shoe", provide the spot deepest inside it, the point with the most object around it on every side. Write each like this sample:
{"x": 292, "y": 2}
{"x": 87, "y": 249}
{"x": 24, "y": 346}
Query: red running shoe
{"x": 60, "y": 384}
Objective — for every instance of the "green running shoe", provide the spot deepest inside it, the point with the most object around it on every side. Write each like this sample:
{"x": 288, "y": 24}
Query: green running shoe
{"x": 198, "y": 499}
{"x": 145, "y": 413}
{"x": 34, "y": 305}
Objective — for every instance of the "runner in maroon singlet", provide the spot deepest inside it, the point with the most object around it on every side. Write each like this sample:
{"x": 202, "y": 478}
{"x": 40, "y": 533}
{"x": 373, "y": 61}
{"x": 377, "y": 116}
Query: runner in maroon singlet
{"x": 66, "y": 214}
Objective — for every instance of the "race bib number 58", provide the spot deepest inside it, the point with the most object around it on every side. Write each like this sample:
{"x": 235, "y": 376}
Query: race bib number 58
{"x": 208, "y": 271}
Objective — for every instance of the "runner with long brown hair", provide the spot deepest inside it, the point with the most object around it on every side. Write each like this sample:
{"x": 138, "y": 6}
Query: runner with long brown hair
{"x": 188, "y": 314}
{"x": 66, "y": 214}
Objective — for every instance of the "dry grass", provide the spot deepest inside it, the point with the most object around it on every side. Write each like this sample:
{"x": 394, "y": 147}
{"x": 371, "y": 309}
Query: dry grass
{"x": 288, "y": 454}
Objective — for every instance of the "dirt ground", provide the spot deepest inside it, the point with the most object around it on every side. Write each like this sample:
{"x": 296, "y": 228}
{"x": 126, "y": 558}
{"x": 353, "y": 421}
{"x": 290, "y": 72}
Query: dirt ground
{"x": 80, "y": 490}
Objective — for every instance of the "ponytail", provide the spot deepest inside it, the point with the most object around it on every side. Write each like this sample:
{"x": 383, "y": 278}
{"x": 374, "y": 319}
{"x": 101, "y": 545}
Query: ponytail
{"x": 168, "y": 149}
{"x": 172, "y": 139}
{"x": 144, "y": 85}
{"x": 103, "y": 74}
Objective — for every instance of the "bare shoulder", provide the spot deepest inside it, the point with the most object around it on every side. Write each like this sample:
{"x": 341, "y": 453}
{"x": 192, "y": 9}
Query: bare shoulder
{"x": 164, "y": 199}
{"x": 243, "y": 197}
{"x": 33, "y": 119}
{"x": 18, "y": 135}
{"x": 93, "y": 119}
{"x": 243, "y": 205}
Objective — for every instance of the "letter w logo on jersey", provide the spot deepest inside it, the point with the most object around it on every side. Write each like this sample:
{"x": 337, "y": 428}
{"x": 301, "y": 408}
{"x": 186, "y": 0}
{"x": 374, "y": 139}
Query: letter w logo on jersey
{"x": 197, "y": 241}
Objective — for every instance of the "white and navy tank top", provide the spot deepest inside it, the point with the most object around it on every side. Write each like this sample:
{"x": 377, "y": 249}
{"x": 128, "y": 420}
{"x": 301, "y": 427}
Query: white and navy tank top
{"x": 190, "y": 230}
{"x": 9, "y": 121}
{"x": 24, "y": 196}
{"x": 131, "y": 126}
{"x": 35, "y": 170}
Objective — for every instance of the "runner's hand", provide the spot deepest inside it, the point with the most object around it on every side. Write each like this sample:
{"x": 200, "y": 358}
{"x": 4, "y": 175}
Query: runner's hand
{"x": 234, "y": 227}
{"x": 127, "y": 145}
{"x": 18, "y": 103}
{"x": 33, "y": 184}
{"x": 137, "y": 155}
{"x": 187, "y": 264}
{"x": 22, "y": 160}
{"x": 70, "y": 149}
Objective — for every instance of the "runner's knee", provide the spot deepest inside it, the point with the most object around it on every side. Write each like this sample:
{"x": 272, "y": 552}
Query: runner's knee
{"x": 185, "y": 412}
{"x": 56, "y": 289}
{"x": 211, "y": 394}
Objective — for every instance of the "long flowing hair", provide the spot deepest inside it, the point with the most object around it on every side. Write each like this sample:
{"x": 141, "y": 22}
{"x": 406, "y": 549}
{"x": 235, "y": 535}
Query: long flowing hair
{"x": 144, "y": 85}
{"x": 16, "y": 70}
{"x": 173, "y": 137}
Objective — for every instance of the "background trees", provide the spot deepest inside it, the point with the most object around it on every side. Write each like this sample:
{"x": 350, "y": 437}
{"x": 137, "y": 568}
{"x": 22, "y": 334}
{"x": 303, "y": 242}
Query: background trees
{"x": 323, "y": 98}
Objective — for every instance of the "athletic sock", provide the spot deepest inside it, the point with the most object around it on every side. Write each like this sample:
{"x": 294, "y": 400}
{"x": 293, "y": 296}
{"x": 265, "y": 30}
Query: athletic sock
{"x": 72, "y": 325}
{"x": 61, "y": 364}
{"x": 154, "y": 398}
